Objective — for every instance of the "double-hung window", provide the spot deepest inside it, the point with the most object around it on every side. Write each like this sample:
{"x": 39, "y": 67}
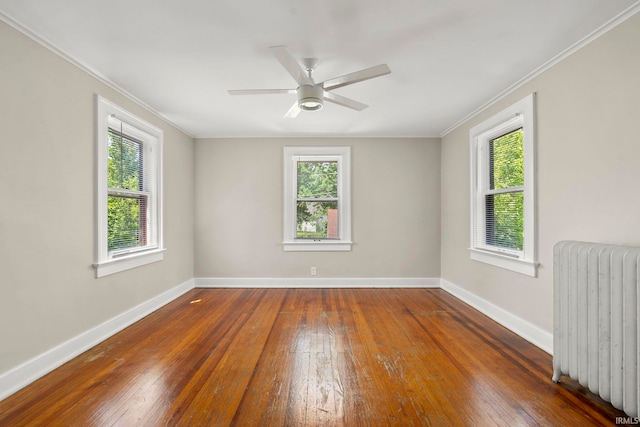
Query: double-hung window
{"x": 128, "y": 205}
{"x": 317, "y": 203}
{"x": 503, "y": 189}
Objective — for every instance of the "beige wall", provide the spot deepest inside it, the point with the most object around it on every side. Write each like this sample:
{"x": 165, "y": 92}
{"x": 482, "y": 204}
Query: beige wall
{"x": 395, "y": 198}
{"x": 48, "y": 293}
{"x": 588, "y": 158}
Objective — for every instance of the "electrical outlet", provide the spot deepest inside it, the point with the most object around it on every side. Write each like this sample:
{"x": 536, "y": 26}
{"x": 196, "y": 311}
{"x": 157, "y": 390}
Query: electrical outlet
{"x": 313, "y": 271}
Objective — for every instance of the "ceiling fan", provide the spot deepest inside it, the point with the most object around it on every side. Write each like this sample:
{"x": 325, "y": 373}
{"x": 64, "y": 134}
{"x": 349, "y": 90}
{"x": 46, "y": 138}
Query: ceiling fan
{"x": 311, "y": 95}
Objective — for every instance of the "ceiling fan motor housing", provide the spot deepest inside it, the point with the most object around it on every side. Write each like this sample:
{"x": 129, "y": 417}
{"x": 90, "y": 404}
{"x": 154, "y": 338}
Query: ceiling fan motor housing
{"x": 310, "y": 97}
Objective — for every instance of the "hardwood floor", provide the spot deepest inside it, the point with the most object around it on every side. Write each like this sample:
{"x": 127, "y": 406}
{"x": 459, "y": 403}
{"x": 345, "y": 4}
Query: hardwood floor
{"x": 285, "y": 357}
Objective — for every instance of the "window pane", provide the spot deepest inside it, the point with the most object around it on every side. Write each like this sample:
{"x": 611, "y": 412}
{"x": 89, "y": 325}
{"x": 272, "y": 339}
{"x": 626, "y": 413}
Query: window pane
{"x": 317, "y": 220}
{"x": 126, "y": 222}
{"x": 505, "y": 219}
{"x": 317, "y": 180}
{"x": 124, "y": 162}
{"x": 506, "y": 162}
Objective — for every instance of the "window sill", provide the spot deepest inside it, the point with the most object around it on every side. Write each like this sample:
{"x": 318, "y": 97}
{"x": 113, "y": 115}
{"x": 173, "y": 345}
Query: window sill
{"x": 521, "y": 266}
{"x": 314, "y": 246}
{"x": 116, "y": 265}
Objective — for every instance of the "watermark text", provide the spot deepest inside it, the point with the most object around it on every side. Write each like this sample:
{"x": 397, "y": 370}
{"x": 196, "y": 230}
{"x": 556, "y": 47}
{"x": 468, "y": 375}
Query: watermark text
{"x": 627, "y": 420}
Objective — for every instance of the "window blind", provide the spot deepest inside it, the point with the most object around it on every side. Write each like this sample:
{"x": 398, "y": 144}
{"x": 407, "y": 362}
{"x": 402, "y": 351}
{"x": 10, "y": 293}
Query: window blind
{"x": 129, "y": 190}
{"x": 503, "y": 191}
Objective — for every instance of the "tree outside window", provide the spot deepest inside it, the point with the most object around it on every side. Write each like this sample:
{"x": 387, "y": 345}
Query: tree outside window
{"x": 317, "y": 200}
{"x": 126, "y": 217}
{"x": 504, "y": 210}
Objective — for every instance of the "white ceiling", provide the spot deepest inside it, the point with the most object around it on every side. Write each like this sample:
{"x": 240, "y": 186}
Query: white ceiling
{"x": 447, "y": 57}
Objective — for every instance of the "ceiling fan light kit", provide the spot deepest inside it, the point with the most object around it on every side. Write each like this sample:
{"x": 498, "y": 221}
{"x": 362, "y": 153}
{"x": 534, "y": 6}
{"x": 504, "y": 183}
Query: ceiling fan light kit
{"x": 311, "y": 95}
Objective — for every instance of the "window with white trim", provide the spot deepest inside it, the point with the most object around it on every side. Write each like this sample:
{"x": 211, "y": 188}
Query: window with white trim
{"x": 129, "y": 190}
{"x": 317, "y": 199}
{"x": 503, "y": 189}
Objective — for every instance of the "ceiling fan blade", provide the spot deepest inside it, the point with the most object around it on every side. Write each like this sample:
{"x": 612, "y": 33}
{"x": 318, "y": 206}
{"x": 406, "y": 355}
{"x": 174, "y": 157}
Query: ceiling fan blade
{"x": 293, "y": 111}
{"x": 259, "y": 91}
{"x": 358, "y": 76}
{"x": 291, "y": 65}
{"x": 345, "y": 102}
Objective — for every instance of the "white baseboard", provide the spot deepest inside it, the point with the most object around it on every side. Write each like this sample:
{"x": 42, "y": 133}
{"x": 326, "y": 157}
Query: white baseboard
{"x": 316, "y": 282}
{"x": 528, "y": 331}
{"x": 31, "y": 370}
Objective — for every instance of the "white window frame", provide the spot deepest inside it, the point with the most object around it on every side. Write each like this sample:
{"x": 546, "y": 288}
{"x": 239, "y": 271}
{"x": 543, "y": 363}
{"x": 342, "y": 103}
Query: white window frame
{"x": 342, "y": 155}
{"x": 519, "y": 115}
{"x": 109, "y": 115}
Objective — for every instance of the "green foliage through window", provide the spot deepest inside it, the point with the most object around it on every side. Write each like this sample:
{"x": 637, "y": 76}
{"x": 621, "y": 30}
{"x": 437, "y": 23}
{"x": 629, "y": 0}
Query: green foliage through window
{"x": 317, "y": 199}
{"x": 126, "y": 206}
{"x": 505, "y": 210}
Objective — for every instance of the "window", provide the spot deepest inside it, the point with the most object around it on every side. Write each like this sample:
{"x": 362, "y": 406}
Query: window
{"x": 502, "y": 189}
{"x": 128, "y": 205}
{"x": 317, "y": 207}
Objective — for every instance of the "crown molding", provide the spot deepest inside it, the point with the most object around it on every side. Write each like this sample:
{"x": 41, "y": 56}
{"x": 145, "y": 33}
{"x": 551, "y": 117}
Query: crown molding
{"x": 84, "y": 67}
{"x": 612, "y": 23}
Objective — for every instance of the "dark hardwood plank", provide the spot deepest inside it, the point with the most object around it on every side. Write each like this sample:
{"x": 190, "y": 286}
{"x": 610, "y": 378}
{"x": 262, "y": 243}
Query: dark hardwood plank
{"x": 271, "y": 357}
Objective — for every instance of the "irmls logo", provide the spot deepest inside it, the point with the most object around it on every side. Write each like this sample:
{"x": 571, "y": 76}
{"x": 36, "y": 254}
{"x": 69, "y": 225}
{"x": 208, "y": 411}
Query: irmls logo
{"x": 627, "y": 420}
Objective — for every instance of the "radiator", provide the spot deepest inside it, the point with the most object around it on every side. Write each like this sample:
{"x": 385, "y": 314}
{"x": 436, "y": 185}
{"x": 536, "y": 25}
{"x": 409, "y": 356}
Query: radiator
{"x": 596, "y": 320}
